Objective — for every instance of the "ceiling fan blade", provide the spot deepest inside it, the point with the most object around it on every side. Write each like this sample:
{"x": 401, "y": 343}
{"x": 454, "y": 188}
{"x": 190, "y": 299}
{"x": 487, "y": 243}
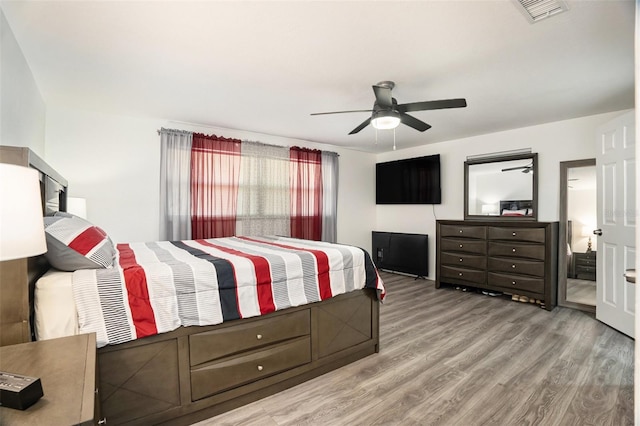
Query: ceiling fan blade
{"x": 364, "y": 124}
{"x": 383, "y": 96}
{"x": 341, "y": 112}
{"x": 508, "y": 169}
{"x": 410, "y": 121}
{"x": 428, "y": 105}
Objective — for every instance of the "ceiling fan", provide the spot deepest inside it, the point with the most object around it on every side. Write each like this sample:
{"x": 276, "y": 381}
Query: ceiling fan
{"x": 525, "y": 169}
{"x": 388, "y": 114}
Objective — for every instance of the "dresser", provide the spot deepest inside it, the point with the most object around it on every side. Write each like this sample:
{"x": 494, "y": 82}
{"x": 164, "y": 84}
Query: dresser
{"x": 584, "y": 265}
{"x": 510, "y": 257}
{"x": 67, "y": 369}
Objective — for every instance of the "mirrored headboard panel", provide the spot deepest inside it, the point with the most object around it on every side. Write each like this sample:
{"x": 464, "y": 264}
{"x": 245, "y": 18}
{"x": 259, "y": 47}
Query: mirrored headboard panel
{"x": 501, "y": 188}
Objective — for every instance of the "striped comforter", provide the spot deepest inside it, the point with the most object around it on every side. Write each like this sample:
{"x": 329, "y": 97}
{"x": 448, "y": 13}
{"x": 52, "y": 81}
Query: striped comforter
{"x": 160, "y": 286}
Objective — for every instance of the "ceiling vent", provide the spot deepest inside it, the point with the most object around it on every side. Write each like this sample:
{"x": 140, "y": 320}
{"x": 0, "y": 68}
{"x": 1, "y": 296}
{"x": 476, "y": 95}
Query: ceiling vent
{"x": 537, "y": 10}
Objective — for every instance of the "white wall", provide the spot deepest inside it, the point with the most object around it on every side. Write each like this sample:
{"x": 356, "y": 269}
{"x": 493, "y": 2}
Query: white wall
{"x": 22, "y": 110}
{"x": 114, "y": 162}
{"x": 554, "y": 142}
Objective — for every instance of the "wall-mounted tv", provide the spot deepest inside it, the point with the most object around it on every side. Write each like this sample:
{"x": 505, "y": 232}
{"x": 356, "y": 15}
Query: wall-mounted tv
{"x": 409, "y": 181}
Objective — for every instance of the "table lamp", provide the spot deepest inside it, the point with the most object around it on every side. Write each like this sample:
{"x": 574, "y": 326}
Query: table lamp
{"x": 587, "y": 231}
{"x": 21, "y": 224}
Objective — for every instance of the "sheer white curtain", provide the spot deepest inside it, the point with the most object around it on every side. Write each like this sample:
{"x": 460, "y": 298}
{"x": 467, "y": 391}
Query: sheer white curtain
{"x": 329, "y": 196}
{"x": 175, "y": 188}
{"x": 263, "y": 194}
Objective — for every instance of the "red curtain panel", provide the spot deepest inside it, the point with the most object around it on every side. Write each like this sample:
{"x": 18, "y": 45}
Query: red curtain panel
{"x": 215, "y": 172}
{"x": 306, "y": 193}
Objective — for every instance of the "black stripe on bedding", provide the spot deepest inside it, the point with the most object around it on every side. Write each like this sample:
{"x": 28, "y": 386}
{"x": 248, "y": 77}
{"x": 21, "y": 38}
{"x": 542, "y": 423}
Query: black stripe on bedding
{"x": 226, "y": 280}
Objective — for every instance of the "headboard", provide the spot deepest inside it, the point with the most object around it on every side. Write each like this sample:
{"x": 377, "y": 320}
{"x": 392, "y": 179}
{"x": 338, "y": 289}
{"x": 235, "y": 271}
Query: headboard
{"x": 19, "y": 276}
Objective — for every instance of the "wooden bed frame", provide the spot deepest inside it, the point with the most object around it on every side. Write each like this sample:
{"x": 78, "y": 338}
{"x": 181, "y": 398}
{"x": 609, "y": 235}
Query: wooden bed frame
{"x": 194, "y": 373}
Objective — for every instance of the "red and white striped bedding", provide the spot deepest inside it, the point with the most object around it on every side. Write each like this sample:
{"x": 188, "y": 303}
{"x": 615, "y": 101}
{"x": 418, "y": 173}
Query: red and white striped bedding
{"x": 160, "y": 286}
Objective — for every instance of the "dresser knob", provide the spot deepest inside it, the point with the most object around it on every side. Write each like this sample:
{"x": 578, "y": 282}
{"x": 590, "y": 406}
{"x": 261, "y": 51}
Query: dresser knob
{"x": 460, "y": 259}
{"x": 260, "y": 368}
{"x": 513, "y": 266}
{"x": 459, "y": 274}
{"x": 513, "y": 250}
{"x": 514, "y": 234}
{"x": 460, "y": 245}
{"x": 513, "y": 283}
{"x": 461, "y": 231}
{"x": 259, "y": 336}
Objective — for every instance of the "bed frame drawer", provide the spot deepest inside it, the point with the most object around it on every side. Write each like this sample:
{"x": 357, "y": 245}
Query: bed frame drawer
{"x": 237, "y": 370}
{"x": 205, "y": 347}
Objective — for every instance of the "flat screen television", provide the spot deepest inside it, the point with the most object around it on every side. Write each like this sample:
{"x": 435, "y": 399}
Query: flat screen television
{"x": 409, "y": 181}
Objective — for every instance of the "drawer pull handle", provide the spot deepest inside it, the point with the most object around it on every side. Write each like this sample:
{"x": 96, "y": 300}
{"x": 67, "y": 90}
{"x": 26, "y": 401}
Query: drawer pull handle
{"x": 513, "y": 250}
{"x": 513, "y": 283}
{"x": 460, "y": 259}
{"x": 460, "y": 245}
{"x": 459, "y": 274}
{"x": 461, "y": 231}
{"x": 514, "y": 234}
{"x": 260, "y": 368}
{"x": 259, "y": 336}
{"x": 513, "y": 266}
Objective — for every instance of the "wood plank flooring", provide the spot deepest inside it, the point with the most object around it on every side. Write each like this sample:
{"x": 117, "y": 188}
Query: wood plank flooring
{"x": 449, "y": 357}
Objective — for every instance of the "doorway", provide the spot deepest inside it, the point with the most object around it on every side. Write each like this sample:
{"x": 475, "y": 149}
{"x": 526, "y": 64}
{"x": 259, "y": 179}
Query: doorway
{"x": 577, "y": 270}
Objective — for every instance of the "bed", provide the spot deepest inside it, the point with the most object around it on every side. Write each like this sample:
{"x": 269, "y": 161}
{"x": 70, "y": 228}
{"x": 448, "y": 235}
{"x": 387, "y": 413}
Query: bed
{"x": 292, "y": 310}
{"x": 516, "y": 208}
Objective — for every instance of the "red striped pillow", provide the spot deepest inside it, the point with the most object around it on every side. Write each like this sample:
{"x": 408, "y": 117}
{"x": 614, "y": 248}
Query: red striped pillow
{"x": 74, "y": 243}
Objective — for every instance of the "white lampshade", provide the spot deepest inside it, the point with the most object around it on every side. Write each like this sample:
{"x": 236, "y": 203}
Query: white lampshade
{"x": 21, "y": 224}
{"x": 587, "y": 231}
{"x": 384, "y": 120}
{"x": 77, "y": 206}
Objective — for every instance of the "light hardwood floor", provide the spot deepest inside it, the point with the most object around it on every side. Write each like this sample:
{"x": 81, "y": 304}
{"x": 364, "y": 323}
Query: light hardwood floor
{"x": 449, "y": 357}
{"x": 581, "y": 291}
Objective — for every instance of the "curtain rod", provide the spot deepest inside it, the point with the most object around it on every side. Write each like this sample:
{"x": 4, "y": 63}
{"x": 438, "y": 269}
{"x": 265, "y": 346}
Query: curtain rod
{"x": 162, "y": 129}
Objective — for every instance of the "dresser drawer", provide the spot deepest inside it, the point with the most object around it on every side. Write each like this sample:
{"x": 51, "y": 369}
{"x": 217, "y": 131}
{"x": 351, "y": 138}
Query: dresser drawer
{"x": 515, "y": 282}
{"x": 234, "y": 371}
{"x": 534, "y": 235}
{"x": 463, "y": 274}
{"x": 464, "y": 260}
{"x": 463, "y": 246}
{"x": 463, "y": 231}
{"x": 207, "y": 346}
{"x": 517, "y": 266}
{"x": 521, "y": 250}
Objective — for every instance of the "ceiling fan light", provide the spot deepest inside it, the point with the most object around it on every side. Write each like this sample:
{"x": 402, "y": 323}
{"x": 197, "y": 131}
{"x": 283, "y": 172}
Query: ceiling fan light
{"x": 385, "y": 120}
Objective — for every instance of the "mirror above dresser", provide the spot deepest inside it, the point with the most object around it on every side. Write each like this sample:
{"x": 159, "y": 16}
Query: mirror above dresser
{"x": 503, "y": 187}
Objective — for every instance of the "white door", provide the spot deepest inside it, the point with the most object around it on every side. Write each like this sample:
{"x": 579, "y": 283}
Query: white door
{"x": 616, "y": 189}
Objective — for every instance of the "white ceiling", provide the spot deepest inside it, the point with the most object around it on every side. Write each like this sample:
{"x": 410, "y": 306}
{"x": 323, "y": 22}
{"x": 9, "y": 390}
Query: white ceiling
{"x": 264, "y": 66}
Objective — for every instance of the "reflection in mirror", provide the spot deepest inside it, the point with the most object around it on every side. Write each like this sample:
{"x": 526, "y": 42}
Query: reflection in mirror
{"x": 503, "y": 188}
{"x": 581, "y": 242}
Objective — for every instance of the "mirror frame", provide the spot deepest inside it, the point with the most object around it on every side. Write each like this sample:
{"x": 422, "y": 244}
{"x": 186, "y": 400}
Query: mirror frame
{"x": 498, "y": 159}
{"x": 563, "y": 236}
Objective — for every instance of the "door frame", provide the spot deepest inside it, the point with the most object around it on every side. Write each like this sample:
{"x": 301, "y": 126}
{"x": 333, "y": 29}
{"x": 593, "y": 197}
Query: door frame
{"x": 563, "y": 229}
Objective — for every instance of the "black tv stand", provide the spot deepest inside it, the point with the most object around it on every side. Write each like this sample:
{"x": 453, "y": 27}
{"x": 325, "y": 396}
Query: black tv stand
{"x": 399, "y": 252}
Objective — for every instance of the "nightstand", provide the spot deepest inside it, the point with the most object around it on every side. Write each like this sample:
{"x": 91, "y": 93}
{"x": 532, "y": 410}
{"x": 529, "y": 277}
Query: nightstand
{"x": 67, "y": 370}
{"x": 584, "y": 265}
